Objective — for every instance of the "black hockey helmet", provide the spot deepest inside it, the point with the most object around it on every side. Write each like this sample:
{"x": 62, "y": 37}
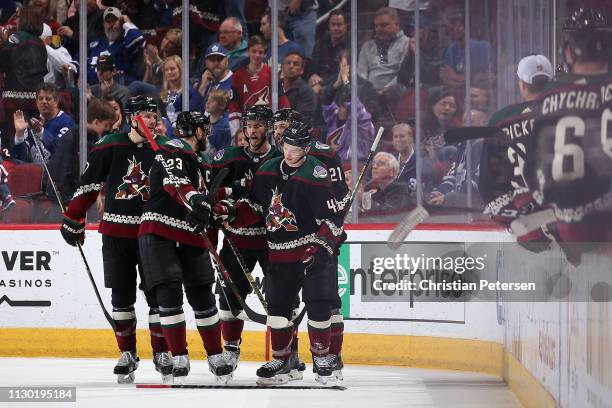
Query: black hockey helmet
{"x": 140, "y": 103}
{"x": 587, "y": 32}
{"x": 288, "y": 115}
{"x": 296, "y": 134}
{"x": 188, "y": 122}
{"x": 260, "y": 113}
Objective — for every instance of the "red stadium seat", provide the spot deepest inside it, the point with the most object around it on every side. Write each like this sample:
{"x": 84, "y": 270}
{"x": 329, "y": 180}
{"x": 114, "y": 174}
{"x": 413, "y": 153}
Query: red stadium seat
{"x": 25, "y": 179}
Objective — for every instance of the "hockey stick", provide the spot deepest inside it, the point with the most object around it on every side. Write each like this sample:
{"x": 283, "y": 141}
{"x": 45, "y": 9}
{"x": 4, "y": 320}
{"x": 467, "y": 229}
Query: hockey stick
{"x": 108, "y": 317}
{"x": 365, "y": 167}
{"x": 416, "y": 217}
{"x": 222, "y": 271}
{"x": 525, "y": 224}
{"x": 244, "y": 387}
{"x": 462, "y": 134}
{"x": 244, "y": 268}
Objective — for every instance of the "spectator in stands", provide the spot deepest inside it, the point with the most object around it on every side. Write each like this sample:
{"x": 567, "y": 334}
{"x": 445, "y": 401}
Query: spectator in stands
{"x": 107, "y": 86}
{"x": 46, "y": 11}
{"x": 285, "y": 46}
{"x": 230, "y": 37}
{"x": 153, "y": 57}
{"x": 171, "y": 93}
{"x": 442, "y": 113}
{"x": 49, "y": 127}
{"x": 64, "y": 164}
{"x": 454, "y": 187}
{"x": 149, "y": 15}
{"x": 387, "y": 194}
{"x": 120, "y": 124}
{"x": 217, "y": 76}
{"x": 216, "y": 108}
{"x": 59, "y": 61}
{"x": 480, "y": 99}
{"x": 326, "y": 60}
{"x": 251, "y": 84}
{"x": 70, "y": 30}
{"x": 380, "y": 58}
{"x": 430, "y": 58}
{"x": 403, "y": 144}
{"x": 6, "y": 199}
{"x": 301, "y": 22}
{"x": 340, "y": 89}
{"x": 123, "y": 41}
{"x": 301, "y": 97}
{"x": 23, "y": 60}
{"x": 453, "y": 61}
{"x": 239, "y": 138}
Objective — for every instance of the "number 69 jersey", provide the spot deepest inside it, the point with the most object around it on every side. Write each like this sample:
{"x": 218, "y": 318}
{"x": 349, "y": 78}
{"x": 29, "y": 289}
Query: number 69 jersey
{"x": 569, "y": 161}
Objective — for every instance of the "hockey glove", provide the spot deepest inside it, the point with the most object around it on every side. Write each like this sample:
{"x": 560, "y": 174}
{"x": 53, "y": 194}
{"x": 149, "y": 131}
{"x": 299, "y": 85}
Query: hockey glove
{"x": 199, "y": 217}
{"x": 73, "y": 231}
{"x": 317, "y": 255}
{"x": 223, "y": 212}
{"x": 241, "y": 187}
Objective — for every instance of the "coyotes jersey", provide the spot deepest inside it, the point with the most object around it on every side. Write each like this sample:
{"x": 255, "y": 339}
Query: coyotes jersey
{"x": 569, "y": 161}
{"x": 503, "y": 159}
{"x": 175, "y": 177}
{"x": 297, "y": 209}
{"x": 124, "y": 167}
{"x": 242, "y": 164}
{"x": 252, "y": 89}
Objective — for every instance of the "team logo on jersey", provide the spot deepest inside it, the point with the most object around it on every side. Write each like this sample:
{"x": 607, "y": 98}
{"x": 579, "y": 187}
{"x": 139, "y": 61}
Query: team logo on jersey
{"x": 279, "y": 216}
{"x": 320, "y": 145}
{"x": 219, "y": 155}
{"x": 135, "y": 183}
{"x": 319, "y": 172}
{"x": 261, "y": 97}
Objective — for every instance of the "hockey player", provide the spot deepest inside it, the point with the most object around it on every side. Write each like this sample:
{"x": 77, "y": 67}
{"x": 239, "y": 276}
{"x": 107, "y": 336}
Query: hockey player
{"x": 293, "y": 195}
{"x": 324, "y": 153}
{"x": 122, "y": 161}
{"x": 569, "y": 159}
{"x": 243, "y": 162}
{"x": 174, "y": 252}
{"x": 502, "y": 184}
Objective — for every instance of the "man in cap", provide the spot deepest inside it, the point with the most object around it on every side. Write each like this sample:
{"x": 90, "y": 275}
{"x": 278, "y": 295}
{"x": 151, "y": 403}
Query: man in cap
{"x": 107, "y": 86}
{"x": 217, "y": 74}
{"x": 122, "y": 40}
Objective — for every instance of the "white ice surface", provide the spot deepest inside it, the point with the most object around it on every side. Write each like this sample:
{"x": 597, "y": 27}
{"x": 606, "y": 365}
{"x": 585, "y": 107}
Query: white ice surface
{"x": 368, "y": 387}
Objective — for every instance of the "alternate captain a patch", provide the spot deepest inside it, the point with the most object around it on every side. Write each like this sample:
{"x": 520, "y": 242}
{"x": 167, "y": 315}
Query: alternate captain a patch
{"x": 135, "y": 183}
{"x": 278, "y": 215}
{"x": 219, "y": 155}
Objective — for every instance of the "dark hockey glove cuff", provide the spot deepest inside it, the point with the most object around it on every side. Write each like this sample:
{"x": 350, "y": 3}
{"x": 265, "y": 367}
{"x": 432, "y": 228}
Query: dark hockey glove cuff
{"x": 223, "y": 212}
{"x": 318, "y": 253}
{"x": 199, "y": 217}
{"x": 73, "y": 231}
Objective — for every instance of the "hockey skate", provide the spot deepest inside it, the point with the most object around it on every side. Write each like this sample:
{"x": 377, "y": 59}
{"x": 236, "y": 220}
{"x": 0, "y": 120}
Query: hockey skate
{"x": 232, "y": 353}
{"x": 127, "y": 364}
{"x": 337, "y": 368}
{"x": 180, "y": 368}
{"x": 221, "y": 367}
{"x": 163, "y": 365}
{"x": 274, "y": 372}
{"x": 322, "y": 367}
{"x": 297, "y": 367}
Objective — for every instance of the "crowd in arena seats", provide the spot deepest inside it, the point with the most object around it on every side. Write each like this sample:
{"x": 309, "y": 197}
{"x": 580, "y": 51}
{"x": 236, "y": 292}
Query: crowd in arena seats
{"x": 134, "y": 47}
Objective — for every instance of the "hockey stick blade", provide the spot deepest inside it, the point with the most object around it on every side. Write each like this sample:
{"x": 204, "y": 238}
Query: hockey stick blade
{"x": 532, "y": 222}
{"x": 409, "y": 223}
{"x": 243, "y": 387}
{"x": 462, "y": 134}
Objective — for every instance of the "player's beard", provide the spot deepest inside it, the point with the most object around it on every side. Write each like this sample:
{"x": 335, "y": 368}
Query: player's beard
{"x": 255, "y": 143}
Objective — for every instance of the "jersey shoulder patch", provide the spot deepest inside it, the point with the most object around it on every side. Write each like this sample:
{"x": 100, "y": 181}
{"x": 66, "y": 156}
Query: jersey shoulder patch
{"x": 219, "y": 155}
{"x": 176, "y": 143}
{"x": 319, "y": 172}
